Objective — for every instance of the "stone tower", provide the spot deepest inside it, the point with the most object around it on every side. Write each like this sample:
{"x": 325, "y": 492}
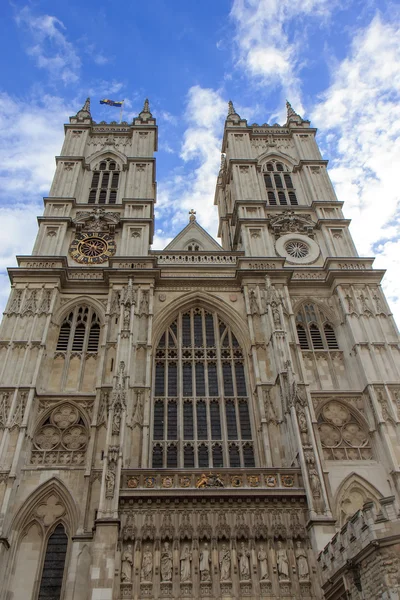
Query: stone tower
{"x": 204, "y": 421}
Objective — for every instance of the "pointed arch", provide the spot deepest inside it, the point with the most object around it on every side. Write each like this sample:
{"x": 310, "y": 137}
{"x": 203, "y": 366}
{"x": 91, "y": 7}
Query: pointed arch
{"x": 329, "y": 314}
{"x": 61, "y": 313}
{"x": 352, "y": 494}
{"x": 274, "y": 154}
{"x": 94, "y": 158}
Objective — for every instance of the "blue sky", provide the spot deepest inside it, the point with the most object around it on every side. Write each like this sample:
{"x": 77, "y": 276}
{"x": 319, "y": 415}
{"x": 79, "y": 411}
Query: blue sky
{"x": 337, "y": 61}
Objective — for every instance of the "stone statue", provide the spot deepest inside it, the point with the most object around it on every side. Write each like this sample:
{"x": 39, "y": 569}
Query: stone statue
{"x": 315, "y": 483}
{"x": 225, "y": 563}
{"x": 244, "y": 564}
{"x": 186, "y": 557}
{"x": 127, "y": 564}
{"x": 282, "y": 562}
{"x": 301, "y": 559}
{"x": 146, "y": 572}
{"x": 144, "y": 303}
{"x": 127, "y": 316}
{"x": 262, "y": 559}
{"x": 166, "y": 563}
{"x": 110, "y": 483}
{"x": 205, "y": 560}
{"x": 254, "y": 310}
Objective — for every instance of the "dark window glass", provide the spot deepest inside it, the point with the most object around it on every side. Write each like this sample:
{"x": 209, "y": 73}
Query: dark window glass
{"x": 187, "y": 379}
{"x": 282, "y": 198}
{"x": 316, "y": 338}
{"x": 212, "y": 380}
{"x": 188, "y": 421}
{"x": 203, "y": 456}
{"x": 172, "y": 457}
{"x": 210, "y": 330}
{"x": 200, "y": 381}
{"x": 157, "y": 457}
{"x": 104, "y": 180}
{"x": 301, "y": 334}
{"x": 63, "y": 338}
{"x": 272, "y": 198}
{"x": 188, "y": 457}
{"x": 92, "y": 196}
{"x": 95, "y": 179}
{"x": 228, "y": 381}
{"x": 161, "y": 343}
{"x": 94, "y": 336}
{"x": 288, "y": 180}
{"x": 103, "y": 166}
{"x": 330, "y": 337}
{"x": 158, "y": 432}
{"x": 240, "y": 379}
{"x": 113, "y": 197}
{"x": 112, "y": 166}
{"x": 248, "y": 456}
{"x": 270, "y": 167}
{"x": 115, "y": 180}
{"x": 186, "y": 337}
{"x": 279, "y": 167}
{"x": 217, "y": 456}
{"x": 160, "y": 379}
{"x": 172, "y": 421}
{"x": 234, "y": 456}
{"x": 198, "y": 330}
{"x": 53, "y": 567}
{"x": 293, "y": 199}
{"x": 102, "y": 196}
{"x": 244, "y": 418}
{"x": 215, "y": 421}
{"x": 278, "y": 181}
{"x": 231, "y": 420}
{"x": 172, "y": 379}
{"x": 268, "y": 181}
{"x": 201, "y": 420}
{"x": 79, "y": 338}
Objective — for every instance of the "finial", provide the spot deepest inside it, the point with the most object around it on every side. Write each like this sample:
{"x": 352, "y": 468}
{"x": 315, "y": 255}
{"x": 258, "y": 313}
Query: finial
{"x": 192, "y": 215}
{"x": 223, "y": 158}
{"x": 145, "y": 113}
{"x": 146, "y": 107}
{"x": 86, "y": 106}
{"x": 292, "y": 114}
{"x": 84, "y": 113}
{"x": 232, "y": 114}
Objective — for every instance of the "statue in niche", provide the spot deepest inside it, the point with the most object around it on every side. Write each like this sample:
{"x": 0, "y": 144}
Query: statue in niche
{"x": 166, "y": 563}
{"x": 205, "y": 560}
{"x": 262, "y": 559}
{"x": 127, "y": 316}
{"x": 282, "y": 562}
{"x": 244, "y": 564}
{"x": 254, "y": 310}
{"x": 186, "y": 558}
{"x": 144, "y": 304}
{"x": 269, "y": 408}
{"x": 110, "y": 481}
{"x": 225, "y": 563}
{"x": 302, "y": 563}
{"x": 146, "y": 572}
{"x": 127, "y": 564}
{"x": 315, "y": 483}
{"x": 137, "y": 412}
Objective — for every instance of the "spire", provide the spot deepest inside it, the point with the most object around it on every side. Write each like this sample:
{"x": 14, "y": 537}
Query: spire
{"x": 84, "y": 113}
{"x": 292, "y": 116}
{"x": 145, "y": 114}
{"x": 232, "y": 114}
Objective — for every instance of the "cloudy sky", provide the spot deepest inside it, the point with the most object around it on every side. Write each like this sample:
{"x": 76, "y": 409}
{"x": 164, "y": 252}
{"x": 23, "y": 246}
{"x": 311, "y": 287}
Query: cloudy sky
{"x": 337, "y": 61}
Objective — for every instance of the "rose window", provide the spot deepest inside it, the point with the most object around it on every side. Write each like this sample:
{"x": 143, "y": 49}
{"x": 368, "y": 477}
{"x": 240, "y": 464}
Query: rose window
{"x": 342, "y": 437}
{"x": 61, "y": 439}
{"x": 297, "y": 249}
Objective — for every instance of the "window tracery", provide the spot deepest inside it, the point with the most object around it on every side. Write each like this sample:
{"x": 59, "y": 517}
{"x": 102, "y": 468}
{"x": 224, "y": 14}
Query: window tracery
{"x": 80, "y": 331}
{"x": 342, "y": 436}
{"x": 54, "y": 565}
{"x": 61, "y": 439}
{"x": 279, "y": 184}
{"x": 314, "y": 331}
{"x": 105, "y": 182}
{"x": 201, "y": 414}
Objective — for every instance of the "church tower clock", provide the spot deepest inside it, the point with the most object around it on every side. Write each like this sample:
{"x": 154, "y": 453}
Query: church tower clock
{"x": 203, "y": 421}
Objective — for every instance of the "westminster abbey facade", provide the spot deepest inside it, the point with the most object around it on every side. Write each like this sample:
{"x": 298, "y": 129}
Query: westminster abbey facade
{"x": 203, "y": 421}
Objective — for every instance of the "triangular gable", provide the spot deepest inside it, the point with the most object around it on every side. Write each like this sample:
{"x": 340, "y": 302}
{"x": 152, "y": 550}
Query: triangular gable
{"x": 194, "y": 234}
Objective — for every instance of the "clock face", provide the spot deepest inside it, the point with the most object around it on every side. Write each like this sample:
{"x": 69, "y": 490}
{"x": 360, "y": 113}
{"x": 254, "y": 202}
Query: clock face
{"x": 92, "y": 248}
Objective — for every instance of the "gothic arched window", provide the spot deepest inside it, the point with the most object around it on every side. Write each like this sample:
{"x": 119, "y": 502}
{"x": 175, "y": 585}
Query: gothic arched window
{"x": 54, "y": 563}
{"x": 342, "y": 435}
{"x": 314, "y": 332}
{"x": 279, "y": 185}
{"x": 105, "y": 181}
{"x": 80, "y": 331}
{"x": 201, "y": 415}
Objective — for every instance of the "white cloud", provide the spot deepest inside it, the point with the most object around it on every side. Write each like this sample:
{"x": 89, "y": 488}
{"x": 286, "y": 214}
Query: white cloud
{"x": 359, "y": 115}
{"x": 194, "y": 185}
{"x": 51, "y": 48}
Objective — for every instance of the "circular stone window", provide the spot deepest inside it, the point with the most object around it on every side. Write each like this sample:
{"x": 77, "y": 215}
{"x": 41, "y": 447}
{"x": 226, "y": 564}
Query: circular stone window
{"x": 297, "y": 248}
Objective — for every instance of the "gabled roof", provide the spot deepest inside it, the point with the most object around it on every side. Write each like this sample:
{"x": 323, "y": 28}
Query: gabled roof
{"x": 194, "y": 233}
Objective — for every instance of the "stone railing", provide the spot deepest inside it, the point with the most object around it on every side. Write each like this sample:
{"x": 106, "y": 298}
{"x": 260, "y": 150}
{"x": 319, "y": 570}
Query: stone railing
{"x": 196, "y": 259}
{"x": 282, "y": 480}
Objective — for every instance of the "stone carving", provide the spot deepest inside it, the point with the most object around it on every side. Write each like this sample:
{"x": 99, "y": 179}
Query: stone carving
{"x": 129, "y": 530}
{"x": 144, "y": 304}
{"x": 291, "y": 222}
{"x": 244, "y": 563}
{"x": 253, "y": 301}
{"x": 209, "y": 259}
{"x": 166, "y": 563}
{"x": 146, "y": 572}
{"x": 315, "y": 483}
{"x": 302, "y": 563}
{"x": 384, "y": 406}
{"x": 118, "y": 399}
{"x": 269, "y": 408}
{"x": 110, "y": 479}
{"x": 364, "y": 303}
{"x": 96, "y": 220}
{"x": 210, "y": 480}
{"x": 185, "y": 560}
{"x": 282, "y": 562}
{"x": 29, "y": 307}
{"x": 127, "y": 564}
{"x": 205, "y": 561}
{"x": 273, "y": 300}
{"x": 15, "y": 305}
{"x": 225, "y": 563}
{"x": 128, "y": 295}
{"x": 50, "y": 509}
{"x": 137, "y": 411}
{"x": 378, "y": 304}
{"x": 350, "y": 304}
{"x": 4, "y": 408}
{"x": 114, "y": 306}
{"x": 262, "y": 559}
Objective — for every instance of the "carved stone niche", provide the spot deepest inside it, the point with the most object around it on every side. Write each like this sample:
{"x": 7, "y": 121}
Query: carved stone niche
{"x": 96, "y": 220}
{"x": 290, "y": 222}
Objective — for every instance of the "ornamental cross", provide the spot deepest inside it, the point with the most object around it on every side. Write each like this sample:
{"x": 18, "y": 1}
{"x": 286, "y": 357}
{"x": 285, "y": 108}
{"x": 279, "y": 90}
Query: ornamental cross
{"x": 192, "y": 215}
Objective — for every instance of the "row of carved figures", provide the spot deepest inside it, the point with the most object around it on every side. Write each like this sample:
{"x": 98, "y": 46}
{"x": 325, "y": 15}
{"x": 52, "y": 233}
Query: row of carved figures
{"x": 225, "y": 560}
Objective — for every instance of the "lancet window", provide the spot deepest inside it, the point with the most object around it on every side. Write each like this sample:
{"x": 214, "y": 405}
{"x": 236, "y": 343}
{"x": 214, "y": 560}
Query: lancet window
{"x": 105, "y": 182}
{"x": 54, "y": 564}
{"x": 342, "y": 436}
{"x": 279, "y": 184}
{"x": 314, "y": 331}
{"x": 80, "y": 331}
{"x": 201, "y": 415}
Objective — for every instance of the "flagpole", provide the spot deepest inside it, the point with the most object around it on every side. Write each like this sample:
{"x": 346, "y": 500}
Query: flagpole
{"x": 120, "y": 112}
